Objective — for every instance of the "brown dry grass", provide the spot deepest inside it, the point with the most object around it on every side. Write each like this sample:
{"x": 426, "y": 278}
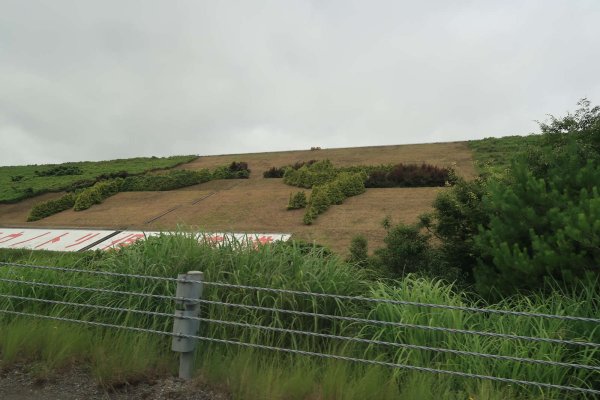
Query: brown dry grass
{"x": 259, "y": 205}
{"x": 440, "y": 154}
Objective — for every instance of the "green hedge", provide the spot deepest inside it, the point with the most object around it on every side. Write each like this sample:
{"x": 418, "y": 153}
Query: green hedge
{"x": 97, "y": 193}
{"x": 172, "y": 180}
{"x": 47, "y": 208}
{"x": 336, "y": 191}
{"x": 311, "y": 175}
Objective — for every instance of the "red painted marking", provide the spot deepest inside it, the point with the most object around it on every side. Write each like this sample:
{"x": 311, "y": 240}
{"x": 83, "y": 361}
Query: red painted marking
{"x": 265, "y": 239}
{"x": 11, "y": 237}
{"x": 24, "y": 241}
{"x": 83, "y": 239}
{"x": 53, "y": 240}
{"x": 216, "y": 239}
{"x": 125, "y": 241}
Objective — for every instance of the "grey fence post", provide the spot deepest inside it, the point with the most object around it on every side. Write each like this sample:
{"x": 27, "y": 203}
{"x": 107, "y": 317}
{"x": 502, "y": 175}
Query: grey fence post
{"x": 182, "y": 324}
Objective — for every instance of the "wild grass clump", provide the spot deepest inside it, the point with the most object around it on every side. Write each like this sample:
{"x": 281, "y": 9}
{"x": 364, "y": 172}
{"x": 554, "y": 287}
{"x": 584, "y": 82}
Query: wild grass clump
{"x": 117, "y": 357}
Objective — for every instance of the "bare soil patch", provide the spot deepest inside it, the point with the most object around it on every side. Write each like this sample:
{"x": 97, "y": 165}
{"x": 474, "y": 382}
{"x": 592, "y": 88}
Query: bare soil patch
{"x": 77, "y": 384}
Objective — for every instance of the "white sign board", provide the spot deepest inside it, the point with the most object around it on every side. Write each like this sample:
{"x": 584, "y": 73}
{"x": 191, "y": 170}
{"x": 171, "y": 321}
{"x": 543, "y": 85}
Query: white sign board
{"x": 50, "y": 239}
{"x": 79, "y": 239}
{"x": 123, "y": 239}
{"x": 128, "y": 237}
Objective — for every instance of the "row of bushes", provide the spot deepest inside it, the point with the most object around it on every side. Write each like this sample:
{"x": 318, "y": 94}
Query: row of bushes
{"x": 97, "y": 194}
{"x": 309, "y": 175}
{"x": 278, "y": 172}
{"x": 160, "y": 182}
{"x": 51, "y": 207}
{"x": 404, "y": 175}
{"x": 83, "y": 198}
{"x": 410, "y": 175}
{"x": 235, "y": 170}
{"x": 60, "y": 170}
{"x": 381, "y": 176}
{"x": 345, "y": 185}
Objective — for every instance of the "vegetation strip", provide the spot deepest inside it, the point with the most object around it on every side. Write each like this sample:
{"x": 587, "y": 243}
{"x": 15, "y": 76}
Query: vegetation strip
{"x": 103, "y": 189}
{"x": 314, "y": 354}
{"x": 291, "y": 267}
{"x": 21, "y": 182}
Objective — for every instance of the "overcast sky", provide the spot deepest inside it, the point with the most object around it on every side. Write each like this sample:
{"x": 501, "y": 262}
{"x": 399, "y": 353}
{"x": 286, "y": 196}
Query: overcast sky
{"x": 92, "y": 80}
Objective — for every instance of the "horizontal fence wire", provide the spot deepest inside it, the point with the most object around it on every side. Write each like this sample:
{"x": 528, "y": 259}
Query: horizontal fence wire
{"x": 92, "y": 306}
{"x": 314, "y": 334}
{"x": 309, "y": 314}
{"x": 321, "y": 355}
{"x": 402, "y": 345}
{"x": 406, "y": 325}
{"x": 304, "y": 293}
{"x": 92, "y": 289}
{"x": 403, "y": 302}
{"x": 90, "y": 271}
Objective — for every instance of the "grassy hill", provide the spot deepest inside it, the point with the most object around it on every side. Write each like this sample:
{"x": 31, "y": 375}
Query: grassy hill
{"x": 24, "y": 181}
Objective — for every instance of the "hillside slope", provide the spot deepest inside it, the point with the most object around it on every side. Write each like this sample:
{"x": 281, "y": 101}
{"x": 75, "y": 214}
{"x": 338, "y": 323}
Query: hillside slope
{"x": 259, "y": 205}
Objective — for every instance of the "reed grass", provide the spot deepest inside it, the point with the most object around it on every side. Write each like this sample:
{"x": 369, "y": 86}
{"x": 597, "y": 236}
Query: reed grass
{"x": 119, "y": 357}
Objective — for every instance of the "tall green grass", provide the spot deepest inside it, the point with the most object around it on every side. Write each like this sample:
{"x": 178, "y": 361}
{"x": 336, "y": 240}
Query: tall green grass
{"x": 117, "y": 357}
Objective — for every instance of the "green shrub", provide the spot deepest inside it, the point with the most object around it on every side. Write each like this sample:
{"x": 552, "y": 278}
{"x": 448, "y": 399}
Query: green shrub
{"x": 297, "y": 201}
{"x": 351, "y": 184}
{"x": 320, "y": 199}
{"x": 171, "y": 180}
{"x": 97, "y": 194}
{"x": 236, "y": 170}
{"x": 336, "y": 196}
{"x": 310, "y": 175}
{"x": 333, "y": 192}
{"x": 60, "y": 170}
{"x": 47, "y": 208}
{"x": 274, "y": 172}
{"x": 359, "y": 250}
{"x": 406, "y": 250}
{"x": 457, "y": 215}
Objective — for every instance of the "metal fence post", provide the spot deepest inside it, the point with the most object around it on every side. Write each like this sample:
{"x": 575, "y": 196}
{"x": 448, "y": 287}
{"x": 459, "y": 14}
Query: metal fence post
{"x": 189, "y": 287}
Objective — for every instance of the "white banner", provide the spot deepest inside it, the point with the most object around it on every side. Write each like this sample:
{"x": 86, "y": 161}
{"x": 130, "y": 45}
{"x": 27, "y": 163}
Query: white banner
{"x": 77, "y": 239}
{"x": 50, "y": 239}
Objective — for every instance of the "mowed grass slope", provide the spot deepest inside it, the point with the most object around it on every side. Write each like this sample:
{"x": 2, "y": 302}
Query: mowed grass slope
{"x": 23, "y": 181}
{"x": 259, "y": 205}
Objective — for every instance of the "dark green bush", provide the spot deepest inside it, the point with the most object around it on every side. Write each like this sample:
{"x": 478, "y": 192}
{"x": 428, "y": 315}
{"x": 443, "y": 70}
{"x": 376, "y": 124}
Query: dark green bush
{"x": 60, "y": 170}
{"x": 408, "y": 175}
{"x": 407, "y": 250}
{"x": 274, "y": 172}
{"x": 45, "y": 209}
{"x": 297, "y": 201}
{"x": 169, "y": 181}
{"x": 359, "y": 250}
{"x": 236, "y": 170}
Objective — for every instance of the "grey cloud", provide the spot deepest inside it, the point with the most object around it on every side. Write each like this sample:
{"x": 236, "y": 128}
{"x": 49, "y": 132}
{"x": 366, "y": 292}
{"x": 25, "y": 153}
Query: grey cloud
{"x": 83, "y": 80}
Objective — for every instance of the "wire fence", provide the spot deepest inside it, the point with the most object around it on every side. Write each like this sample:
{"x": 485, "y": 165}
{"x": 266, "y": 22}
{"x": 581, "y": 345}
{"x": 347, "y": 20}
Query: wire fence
{"x": 187, "y": 316}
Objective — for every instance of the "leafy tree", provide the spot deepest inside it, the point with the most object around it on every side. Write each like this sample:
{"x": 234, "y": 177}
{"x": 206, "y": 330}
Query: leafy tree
{"x": 407, "y": 250}
{"x": 544, "y": 220}
{"x": 458, "y": 214}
